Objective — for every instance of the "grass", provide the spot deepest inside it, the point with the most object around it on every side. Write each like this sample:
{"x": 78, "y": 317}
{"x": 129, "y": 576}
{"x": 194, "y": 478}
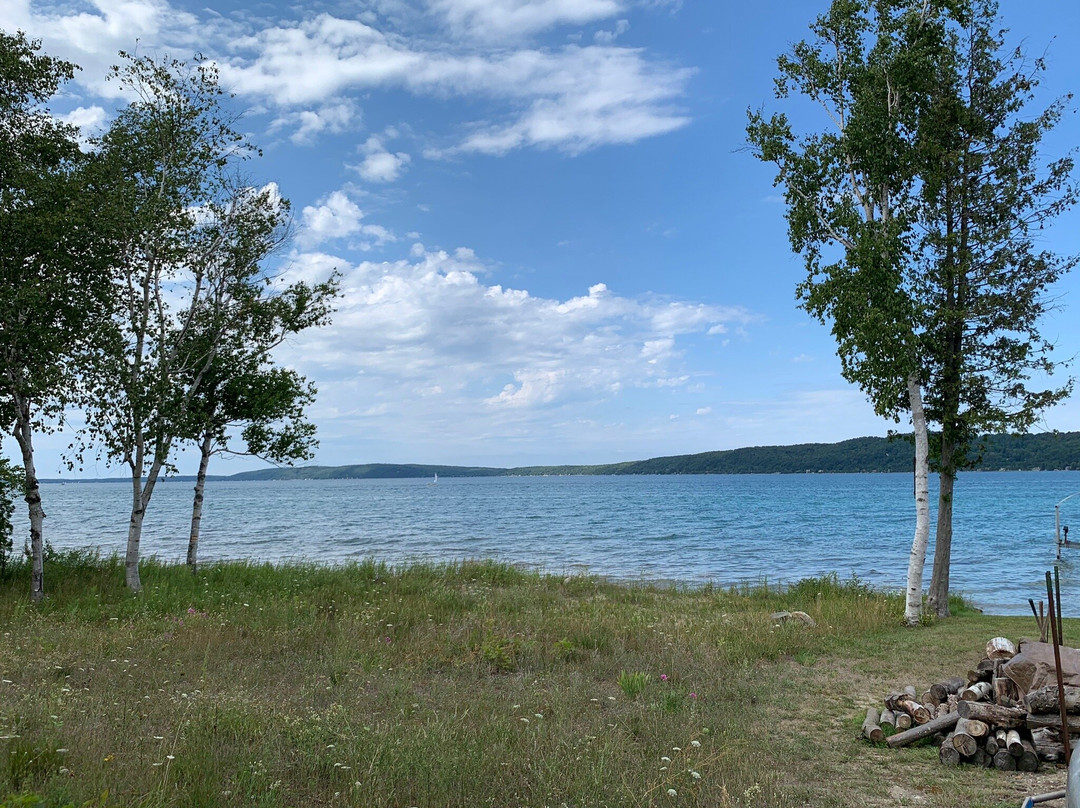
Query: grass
{"x": 468, "y": 684}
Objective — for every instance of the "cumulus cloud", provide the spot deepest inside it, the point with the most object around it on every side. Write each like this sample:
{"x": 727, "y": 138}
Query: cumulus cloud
{"x": 90, "y": 34}
{"x": 337, "y": 217}
{"x": 379, "y": 165}
{"x": 428, "y": 336}
{"x": 308, "y": 124}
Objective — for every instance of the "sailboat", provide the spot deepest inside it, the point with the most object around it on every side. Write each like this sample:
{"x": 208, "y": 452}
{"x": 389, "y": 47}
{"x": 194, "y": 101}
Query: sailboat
{"x": 436, "y": 480}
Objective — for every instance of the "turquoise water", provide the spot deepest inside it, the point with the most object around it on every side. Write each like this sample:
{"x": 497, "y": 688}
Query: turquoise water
{"x": 726, "y": 529}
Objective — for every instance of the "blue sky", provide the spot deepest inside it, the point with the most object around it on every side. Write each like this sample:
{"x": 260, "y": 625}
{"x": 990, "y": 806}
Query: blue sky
{"x": 555, "y": 248}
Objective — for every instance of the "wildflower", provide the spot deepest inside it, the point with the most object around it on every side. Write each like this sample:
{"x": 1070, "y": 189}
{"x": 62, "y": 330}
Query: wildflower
{"x": 539, "y": 715}
{"x": 524, "y": 720}
{"x": 693, "y": 695}
{"x": 108, "y": 758}
{"x": 676, "y": 749}
{"x": 170, "y": 757}
{"x": 672, "y": 792}
{"x": 695, "y": 775}
{"x": 665, "y": 759}
{"x": 387, "y": 640}
{"x": 663, "y": 677}
{"x": 695, "y": 744}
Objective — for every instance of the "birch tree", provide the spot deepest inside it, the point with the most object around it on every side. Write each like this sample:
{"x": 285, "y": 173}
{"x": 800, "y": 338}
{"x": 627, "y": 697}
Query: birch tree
{"x": 242, "y": 390}
{"x": 987, "y": 194}
{"x": 851, "y": 194}
{"x": 172, "y": 151}
{"x": 54, "y": 280}
{"x": 929, "y": 135}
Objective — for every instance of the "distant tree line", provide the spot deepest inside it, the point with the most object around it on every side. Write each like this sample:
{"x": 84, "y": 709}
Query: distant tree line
{"x": 1048, "y": 451}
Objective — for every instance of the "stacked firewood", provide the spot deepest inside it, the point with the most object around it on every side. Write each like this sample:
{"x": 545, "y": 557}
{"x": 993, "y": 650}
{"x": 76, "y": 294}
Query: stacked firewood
{"x": 980, "y": 719}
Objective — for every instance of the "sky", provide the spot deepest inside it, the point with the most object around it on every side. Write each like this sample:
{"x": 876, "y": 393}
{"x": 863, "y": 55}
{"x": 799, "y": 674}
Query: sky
{"x": 554, "y": 245}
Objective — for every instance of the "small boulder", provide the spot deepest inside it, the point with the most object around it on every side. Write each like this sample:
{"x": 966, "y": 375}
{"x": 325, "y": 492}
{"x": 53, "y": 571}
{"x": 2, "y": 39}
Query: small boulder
{"x": 784, "y": 617}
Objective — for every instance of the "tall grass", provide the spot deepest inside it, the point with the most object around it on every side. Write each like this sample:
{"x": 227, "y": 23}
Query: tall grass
{"x": 473, "y": 683}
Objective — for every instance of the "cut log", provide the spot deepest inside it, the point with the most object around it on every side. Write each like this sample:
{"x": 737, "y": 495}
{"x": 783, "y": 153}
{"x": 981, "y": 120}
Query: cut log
{"x": 903, "y": 721}
{"x": 1004, "y": 761}
{"x": 993, "y": 714}
{"x": 929, "y": 700}
{"x": 1013, "y": 742}
{"x": 1002, "y": 737}
{"x": 1005, "y": 691}
{"x": 1045, "y": 700}
{"x": 1035, "y": 721}
{"x": 909, "y": 691}
{"x": 887, "y": 718}
{"x": 982, "y": 672}
{"x": 948, "y": 754}
{"x": 1048, "y": 744}
{"x": 967, "y": 734}
{"x": 991, "y": 745}
{"x": 944, "y": 723}
{"x": 942, "y": 709}
{"x": 982, "y": 758}
{"x": 1029, "y": 761}
{"x": 1000, "y": 648}
{"x": 903, "y": 703}
{"x": 980, "y": 691}
{"x": 941, "y": 690}
{"x": 871, "y": 730}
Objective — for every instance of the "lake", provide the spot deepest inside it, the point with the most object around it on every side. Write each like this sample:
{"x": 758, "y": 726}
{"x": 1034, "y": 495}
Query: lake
{"x": 727, "y": 529}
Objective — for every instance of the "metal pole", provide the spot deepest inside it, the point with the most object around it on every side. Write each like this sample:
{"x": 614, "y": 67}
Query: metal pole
{"x": 1057, "y": 664}
{"x": 1057, "y": 595}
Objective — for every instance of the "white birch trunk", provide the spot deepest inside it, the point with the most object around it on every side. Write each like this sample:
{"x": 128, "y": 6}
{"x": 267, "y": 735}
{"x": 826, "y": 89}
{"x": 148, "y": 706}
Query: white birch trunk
{"x": 140, "y": 499}
{"x": 197, "y": 504}
{"x": 913, "y": 610}
{"x": 33, "y": 502}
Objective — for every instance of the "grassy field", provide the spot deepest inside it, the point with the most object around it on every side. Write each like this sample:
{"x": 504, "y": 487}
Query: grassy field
{"x": 466, "y": 685}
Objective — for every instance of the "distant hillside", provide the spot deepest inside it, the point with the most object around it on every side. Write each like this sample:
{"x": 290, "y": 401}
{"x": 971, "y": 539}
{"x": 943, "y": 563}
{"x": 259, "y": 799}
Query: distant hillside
{"x": 1052, "y": 450}
{"x": 366, "y": 471}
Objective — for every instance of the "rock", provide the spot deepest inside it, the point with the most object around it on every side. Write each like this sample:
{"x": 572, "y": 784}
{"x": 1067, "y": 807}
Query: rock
{"x": 784, "y": 617}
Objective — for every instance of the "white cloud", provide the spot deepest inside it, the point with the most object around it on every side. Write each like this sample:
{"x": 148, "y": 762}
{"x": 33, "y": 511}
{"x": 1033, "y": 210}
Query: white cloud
{"x": 379, "y": 165}
{"x": 483, "y": 353}
{"x": 90, "y": 120}
{"x": 92, "y": 35}
{"x": 308, "y": 124}
{"x": 574, "y": 98}
{"x": 703, "y": 411}
{"x": 337, "y": 216}
{"x": 607, "y": 37}
{"x": 498, "y": 19}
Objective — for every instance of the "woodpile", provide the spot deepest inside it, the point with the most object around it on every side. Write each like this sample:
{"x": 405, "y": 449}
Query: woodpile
{"x": 981, "y": 719}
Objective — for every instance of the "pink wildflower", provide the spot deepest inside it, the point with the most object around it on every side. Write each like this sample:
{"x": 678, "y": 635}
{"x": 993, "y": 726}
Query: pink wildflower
{"x": 663, "y": 677}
